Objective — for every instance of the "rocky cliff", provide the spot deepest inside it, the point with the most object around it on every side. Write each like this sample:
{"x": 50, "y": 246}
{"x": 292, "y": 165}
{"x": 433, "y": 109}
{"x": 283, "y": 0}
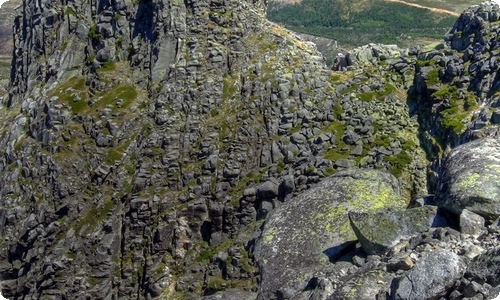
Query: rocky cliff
{"x": 7, "y": 15}
{"x": 148, "y": 147}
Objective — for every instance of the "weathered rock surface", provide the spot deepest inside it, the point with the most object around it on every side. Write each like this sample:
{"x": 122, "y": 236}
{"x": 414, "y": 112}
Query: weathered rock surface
{"x": 143, "y": 144}
{"x": 471, "y": 223}
{"x": 467, "y": 179}
{"x": 431, "y": 277}
{"x": 485, "y": 268}
{"x": 380, "y": 231}
{"x": 230, "y": 295}
{"x": 305, "y": 234}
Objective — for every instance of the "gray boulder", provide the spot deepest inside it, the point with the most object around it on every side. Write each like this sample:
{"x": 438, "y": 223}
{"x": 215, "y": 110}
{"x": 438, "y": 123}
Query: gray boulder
{"x": 379, "y": 231}
{"x": 364, "y": 285}
{"x": 431, "y": 277}
{"x": 306, "y": 233}
{"x": 485, "y": 268}
{"x": 471, "y": 223}
{"x": 468, "y": 179}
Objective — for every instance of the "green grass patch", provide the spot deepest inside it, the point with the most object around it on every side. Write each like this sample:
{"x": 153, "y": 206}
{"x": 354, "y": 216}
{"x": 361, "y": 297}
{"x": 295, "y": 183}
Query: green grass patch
{"x": 117, "y": 154}
{"x": 457, "y": 110}
{"x": 108, "y": 66}
{"x": 125, "y": 94}
{"x": 72, "y": 92}
{"x": 409, "y": 145}
{"x": 378, "y": 95}
{"x": 237, "y": 192}
{"x": 296, "y": 128}
{"x": 350, "y": 89}
{"x": 93, "y": 217}
{"x": 205, "y": 255}
{"x": 70, "y": 11}
{"x": 336, "y": 154}
{"x": 452, "y": 119}
{"x": 280, "y": 166}
{"x": 433, "y": 77}
{"x": 93, "y": 34}
{"x": 329, "y": 171}
{"x": 398, "y": 163}
{"x": 229, "y": 88}
{"x": 446, "y": 92}
{"x": 338, "y": 129}
{"x": 338, "y": 110}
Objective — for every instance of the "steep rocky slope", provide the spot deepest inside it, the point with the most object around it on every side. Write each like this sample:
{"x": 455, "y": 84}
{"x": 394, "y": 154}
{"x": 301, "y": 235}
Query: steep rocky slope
{"x": 145, "y": 143}
{"x": 7, "y": 15}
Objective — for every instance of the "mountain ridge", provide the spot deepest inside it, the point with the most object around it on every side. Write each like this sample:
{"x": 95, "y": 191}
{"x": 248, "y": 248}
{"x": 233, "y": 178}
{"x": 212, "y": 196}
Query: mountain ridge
{"x": 152, "y": 149}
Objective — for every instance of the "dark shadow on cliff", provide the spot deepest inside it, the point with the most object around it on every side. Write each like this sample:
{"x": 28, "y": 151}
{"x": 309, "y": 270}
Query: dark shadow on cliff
{"x": 429, "y": 139}
{"x": 143, "y": 21}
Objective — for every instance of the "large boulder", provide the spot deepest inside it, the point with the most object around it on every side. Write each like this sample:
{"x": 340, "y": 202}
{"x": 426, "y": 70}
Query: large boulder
{"x": 469, "y": 179}
{"x": 379, "y": 231}
{"x": 311, "y": 230}
{"x": 431, "y": 277}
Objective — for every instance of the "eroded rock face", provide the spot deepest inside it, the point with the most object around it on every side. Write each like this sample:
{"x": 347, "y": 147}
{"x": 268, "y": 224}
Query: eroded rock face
{"x": 308, "y": 232}
{"x": 468, "y": 179}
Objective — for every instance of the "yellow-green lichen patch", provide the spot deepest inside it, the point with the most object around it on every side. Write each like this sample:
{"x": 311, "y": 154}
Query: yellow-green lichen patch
{"x": 270, "y": 233}
{"x": 477, "y": 192}
{"x": 372, "y": 195}
{"x": 467, "y": 182}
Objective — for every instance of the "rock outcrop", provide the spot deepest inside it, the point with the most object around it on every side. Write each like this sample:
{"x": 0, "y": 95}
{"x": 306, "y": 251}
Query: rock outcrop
{"x": 180, "y": 150}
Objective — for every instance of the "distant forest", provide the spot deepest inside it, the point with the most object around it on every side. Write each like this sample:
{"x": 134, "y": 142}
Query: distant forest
{"x": 378, "y": 21}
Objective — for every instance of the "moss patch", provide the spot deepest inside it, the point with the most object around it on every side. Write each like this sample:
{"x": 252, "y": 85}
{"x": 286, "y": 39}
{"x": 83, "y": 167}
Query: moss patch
{"x": 92, "y": 217}
{"x": 120, "y": 97}
{"x": 433, "y": 77}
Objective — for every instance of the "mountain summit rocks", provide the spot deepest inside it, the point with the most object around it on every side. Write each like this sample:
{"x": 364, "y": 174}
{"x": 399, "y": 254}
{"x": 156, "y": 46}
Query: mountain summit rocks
{"x": 193, "y": 149}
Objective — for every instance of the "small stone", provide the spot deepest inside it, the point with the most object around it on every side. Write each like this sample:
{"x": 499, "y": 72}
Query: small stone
{"x": 401, "y": 263}
{"x": 358, "y": 261}
{"x": 474, "y": 251}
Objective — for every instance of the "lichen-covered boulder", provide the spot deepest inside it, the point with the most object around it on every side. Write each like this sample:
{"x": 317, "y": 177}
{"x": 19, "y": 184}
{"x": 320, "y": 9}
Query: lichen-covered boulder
{"x": 306, "y": 233}
{"x": 432, "y": 275}
{"x": 379, "y": 231}
{"x": 469, "y": 179}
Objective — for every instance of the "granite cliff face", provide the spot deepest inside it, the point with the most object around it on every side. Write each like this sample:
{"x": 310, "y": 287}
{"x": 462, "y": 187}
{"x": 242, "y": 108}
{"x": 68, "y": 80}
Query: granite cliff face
{"x": 147, "y": 146}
